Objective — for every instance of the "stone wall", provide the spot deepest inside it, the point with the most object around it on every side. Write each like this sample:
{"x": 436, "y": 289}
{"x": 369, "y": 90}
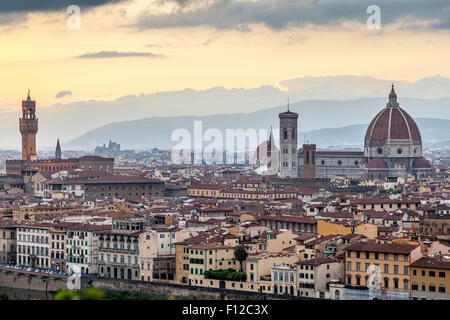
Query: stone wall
{"x": 45, "y": 283}
{"x": 165, "y": 289}
{"x": 28, "y": 281}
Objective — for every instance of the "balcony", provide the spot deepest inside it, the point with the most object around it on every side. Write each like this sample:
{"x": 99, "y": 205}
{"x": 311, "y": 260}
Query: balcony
{"x": 118, "y": 250}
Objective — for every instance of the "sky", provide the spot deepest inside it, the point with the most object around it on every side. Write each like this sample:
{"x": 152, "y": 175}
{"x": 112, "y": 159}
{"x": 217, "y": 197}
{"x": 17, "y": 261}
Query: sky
{"x": 134, "y": 47}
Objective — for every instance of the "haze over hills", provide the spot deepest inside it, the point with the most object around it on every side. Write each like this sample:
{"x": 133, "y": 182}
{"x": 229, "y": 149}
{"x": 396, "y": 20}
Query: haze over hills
{"x": 325, "y": 102}
{"x": 338, "y": 116}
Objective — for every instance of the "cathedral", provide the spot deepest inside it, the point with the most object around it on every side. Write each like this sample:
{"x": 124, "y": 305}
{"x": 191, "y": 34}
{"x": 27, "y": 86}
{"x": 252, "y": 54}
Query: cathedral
{"x": 20, "y": 172}
{"x": 392, "y": 149}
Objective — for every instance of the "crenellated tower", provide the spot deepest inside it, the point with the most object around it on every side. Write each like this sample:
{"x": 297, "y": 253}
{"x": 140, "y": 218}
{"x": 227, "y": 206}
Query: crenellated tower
{"x": 28, "y": 126}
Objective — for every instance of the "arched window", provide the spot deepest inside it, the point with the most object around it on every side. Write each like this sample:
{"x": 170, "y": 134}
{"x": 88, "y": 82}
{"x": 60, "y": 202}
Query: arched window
{"x": 285, "y": 134}
{"x": 336, "y": 295}
{"x": 281, "y": 276}
{"x": 405, "y": 284}
{"x": 293, "y": 133}
{"x": 275, "y": 276}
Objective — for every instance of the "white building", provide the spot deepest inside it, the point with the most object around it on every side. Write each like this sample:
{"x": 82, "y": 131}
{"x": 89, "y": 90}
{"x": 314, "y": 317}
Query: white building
{"x": 82, "y": 242}
{"x": 33, "y": 245}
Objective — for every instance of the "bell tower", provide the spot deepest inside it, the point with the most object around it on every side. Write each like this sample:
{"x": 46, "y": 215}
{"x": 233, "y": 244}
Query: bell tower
{"x": 28, "y": 126}
{"x": 288, "y": 144}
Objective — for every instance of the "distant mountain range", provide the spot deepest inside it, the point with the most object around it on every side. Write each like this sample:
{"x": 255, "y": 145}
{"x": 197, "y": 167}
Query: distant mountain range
{"x": 336, "y": 120}
{"x": 322, "y": 102}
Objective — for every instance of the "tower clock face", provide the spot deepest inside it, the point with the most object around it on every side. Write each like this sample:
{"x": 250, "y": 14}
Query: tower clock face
{"x": 379, "y": 151}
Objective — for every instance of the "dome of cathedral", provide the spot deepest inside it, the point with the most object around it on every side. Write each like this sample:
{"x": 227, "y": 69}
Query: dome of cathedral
{"x": 393, "y": 133}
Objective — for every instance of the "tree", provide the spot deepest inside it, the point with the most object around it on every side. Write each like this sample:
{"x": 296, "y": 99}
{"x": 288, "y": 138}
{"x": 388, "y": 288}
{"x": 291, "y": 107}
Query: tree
{"x": 240, "y": 253}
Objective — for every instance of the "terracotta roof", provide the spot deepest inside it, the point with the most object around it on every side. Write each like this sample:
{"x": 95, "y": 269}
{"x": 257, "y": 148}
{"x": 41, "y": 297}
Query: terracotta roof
{"x": 421, "y": 163}
{"x": 317, "y": 261}
{"x": 431, "y": 262}
{"x": 381, "y": 247}
{"x": 392, "y": 123}
{"x": 377, "y": 163}
{"x": 287, "y": 219}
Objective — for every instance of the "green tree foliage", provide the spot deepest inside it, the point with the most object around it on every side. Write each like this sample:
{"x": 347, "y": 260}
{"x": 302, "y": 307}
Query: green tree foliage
{"x": 3, "y": 296}
{"x": 228, "y": 274}
{"x": 66, "y": 295}
{"x": 240, "y": 253}
{"x": 92, "y": 293}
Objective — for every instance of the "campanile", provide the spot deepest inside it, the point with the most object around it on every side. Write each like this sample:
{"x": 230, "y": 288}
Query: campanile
{"x": 28, "y": 126}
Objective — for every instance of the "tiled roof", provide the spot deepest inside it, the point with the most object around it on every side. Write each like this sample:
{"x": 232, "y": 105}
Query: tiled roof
{"x": 381, "y": 247}
{"x": 431, "y": 262}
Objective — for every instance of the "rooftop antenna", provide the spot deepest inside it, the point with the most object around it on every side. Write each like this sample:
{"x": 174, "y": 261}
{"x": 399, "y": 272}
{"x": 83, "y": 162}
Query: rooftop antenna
{"x": 288, "y": 104}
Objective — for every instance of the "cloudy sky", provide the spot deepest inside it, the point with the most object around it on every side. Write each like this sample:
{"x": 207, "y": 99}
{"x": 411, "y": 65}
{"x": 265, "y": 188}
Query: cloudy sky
{"x": 134, "y": 47}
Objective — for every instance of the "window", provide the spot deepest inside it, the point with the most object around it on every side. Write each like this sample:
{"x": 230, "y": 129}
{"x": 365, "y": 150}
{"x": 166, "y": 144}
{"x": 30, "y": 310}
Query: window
{"x": 431, "y": 273}
{"x": 405, "y": 270}
{"x": 432, "y": 288}
{"x": 442, "y": 288}
{"x": 396, "y": 257}
{"x": 349, "y": 266}
{"x": 405, "y": 284}
{"x": 395, "y": 269}
{"x": 414, "y": 286}
{"x": 386, "y": 268}
{"x": 386, "y": 256}
{"x": 441, "y": 274}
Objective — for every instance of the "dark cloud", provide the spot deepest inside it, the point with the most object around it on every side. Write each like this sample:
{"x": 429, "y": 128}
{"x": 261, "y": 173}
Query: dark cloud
{"x": 117, "y": 54}
{"x": 63, "y": 93}
{"x": 11, "y": 18}
{"x": 7, "y": 6}
{"x": 279, "y": 14}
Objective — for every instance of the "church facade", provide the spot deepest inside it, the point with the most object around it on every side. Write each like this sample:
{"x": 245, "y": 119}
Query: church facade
{"x": 392, "y": 148}
{"x": 19, "y": 172}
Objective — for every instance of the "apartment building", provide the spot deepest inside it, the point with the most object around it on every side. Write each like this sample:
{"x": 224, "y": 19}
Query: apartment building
{"x": 383, "y": 266}
{"x": 33, "y": 245}
{"x": 58, "y": 247}
{"x": 82, "y": 247}
{"x": 8, "y": 242}
{"x": 430, "y": 278}
{"x": 314, "y": 276}
{"x": 119, "y": 247}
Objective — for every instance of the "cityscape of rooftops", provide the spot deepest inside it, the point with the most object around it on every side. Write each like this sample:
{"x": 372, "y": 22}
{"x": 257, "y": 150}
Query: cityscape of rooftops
{"x": 241, "y": 152}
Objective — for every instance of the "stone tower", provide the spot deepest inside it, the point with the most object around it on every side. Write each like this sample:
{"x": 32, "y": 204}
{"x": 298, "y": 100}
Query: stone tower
{"x": 288, "y": 144}
{"x": 28, "y": 126}
{"x": 309, "y": 161}
{"x": 58, "y": 153}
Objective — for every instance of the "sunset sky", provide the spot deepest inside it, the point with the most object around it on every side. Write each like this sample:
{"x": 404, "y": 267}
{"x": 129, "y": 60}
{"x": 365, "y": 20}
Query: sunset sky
{"x": 134, "y": 47}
